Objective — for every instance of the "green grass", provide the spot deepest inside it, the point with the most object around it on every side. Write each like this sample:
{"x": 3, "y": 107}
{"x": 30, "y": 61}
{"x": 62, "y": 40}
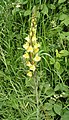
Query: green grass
{"x": 17, "y": 91}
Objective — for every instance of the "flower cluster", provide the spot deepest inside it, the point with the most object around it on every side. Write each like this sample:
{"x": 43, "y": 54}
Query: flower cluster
{"x": 31, "y": 48}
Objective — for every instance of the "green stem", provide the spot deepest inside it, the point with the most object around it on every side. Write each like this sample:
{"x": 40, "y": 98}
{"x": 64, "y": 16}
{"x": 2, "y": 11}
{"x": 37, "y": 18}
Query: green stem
{"x": 37, "y": 95}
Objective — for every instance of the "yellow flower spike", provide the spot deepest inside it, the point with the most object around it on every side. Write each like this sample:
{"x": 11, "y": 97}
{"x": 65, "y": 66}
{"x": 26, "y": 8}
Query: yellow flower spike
{"x": 32, "y": 46}
{"x": 26, "y": 45}
{"x": 27, "y": 38}
{"x": 26, "y": 55}
{"x": 37, "y": 58}
{"x": 28, "y": 64}
{"x": 32, "y": 67}
{"x": 29, "y": 74}
{"x": 30, "y": 49}
{"x": 36, "y": 45}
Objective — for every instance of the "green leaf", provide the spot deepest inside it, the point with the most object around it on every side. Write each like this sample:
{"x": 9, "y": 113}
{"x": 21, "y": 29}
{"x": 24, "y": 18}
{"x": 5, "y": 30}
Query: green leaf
{"x": 66, "y": 21}
{"x": 50, "y": 92}
{"x": 57, "y": 53}
{"x": 61, "y": 70}
{"x": 57, "y": 65}
{"x": 61, "y": 86}
{"x": 47, "y": 87}
{"x": 51, "y": 101}
{"x": 51, "y": 6}
{"x": 57, "y": 87}
{"x": 27, "y": 12}
{"x": 48, "y": 106}
{"x": 58, "y": 108}
{"x": 52, "y": 61}
{"x": 68, "y": 38}
{"x": 38, "y": 14}
{"x": 2, "y": 74}
{"x": 64, "y": 53}
{"x": 62, "y": 16}
{"x": 66, "y": 33}
{"x": 65, "y": 116}
{"x": 62, "y": 36}
{"x": 51, "y": 113}
{"x": 61, "y": 1}
{"x": 22, "y": 2}
{"x": 29, "y": 82}
{"x": 45, "y": 10}
{"x": 65, "y": 87}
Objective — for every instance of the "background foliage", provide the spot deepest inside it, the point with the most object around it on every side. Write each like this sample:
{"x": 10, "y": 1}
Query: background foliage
{"x": 17, "y": 92}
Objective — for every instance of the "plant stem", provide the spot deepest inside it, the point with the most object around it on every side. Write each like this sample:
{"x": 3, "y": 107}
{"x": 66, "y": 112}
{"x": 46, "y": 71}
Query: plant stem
{"x": 37, "y": 95}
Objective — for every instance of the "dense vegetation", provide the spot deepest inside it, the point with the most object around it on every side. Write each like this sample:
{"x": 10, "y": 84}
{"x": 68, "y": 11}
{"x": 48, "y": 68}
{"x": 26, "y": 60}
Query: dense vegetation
{"x": 18, "y": 91}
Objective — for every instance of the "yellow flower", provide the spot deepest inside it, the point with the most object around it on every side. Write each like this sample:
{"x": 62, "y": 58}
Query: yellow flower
{"x": 32, "y": 20}
{"x": 17, "y": 6}
{"x": 36, "y": 45}
{"x": 29, "y": 74}
{"x": 36, "y": 50}
{"x": 34, "y": 38}
{"x": 31, "y": 24}
{"x": 34, "y": 23}
{"x": 37, "y": 58}
{"x": 26, "y": 55}
{"x": 34, "y": 30}
{"x": 26, "y": 45}
{"x": 31, "y": 33}
{"x": 30, "y": 49}
{"x": 27, "y": 38}
{"x": 28, "y": 64}
{"x": 32, "y": 67}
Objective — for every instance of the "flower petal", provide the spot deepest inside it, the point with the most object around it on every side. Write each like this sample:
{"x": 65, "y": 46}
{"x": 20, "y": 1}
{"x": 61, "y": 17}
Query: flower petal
{"x": 37, "y": 58}
{"x": 28, "y": 64}
{"x": 27, "y": 38}
{"x": 36, "y": 50}
{"x": 26, "y": 45}
{"x": 29, "y": 74}
{"x": 26, "y": 55}
{"x": 34, "y": 39}
{"x": 30, "y": 49}
{"x": 36, "y": 45}
{"x": 32, "y": 67}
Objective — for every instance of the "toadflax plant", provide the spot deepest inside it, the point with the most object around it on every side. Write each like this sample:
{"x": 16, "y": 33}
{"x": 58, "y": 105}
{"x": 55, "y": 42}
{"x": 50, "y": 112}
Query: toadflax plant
{"x": 32, "y": 47}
